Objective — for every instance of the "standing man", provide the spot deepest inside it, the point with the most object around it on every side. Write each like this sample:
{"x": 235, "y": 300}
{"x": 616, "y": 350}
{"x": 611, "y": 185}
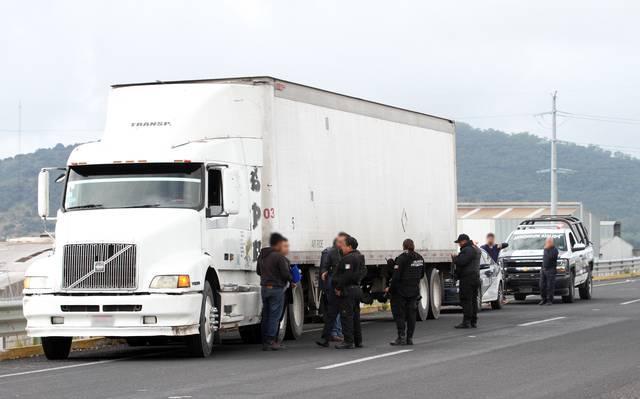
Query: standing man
{"x": 328, "y": 263}
{"x": 346, "y": 283}
{"x": 492, "y": 248}
{"x": 408, "y": 270}
{"x": 468, "y": 272}
{"x": 548, "y": 272}
{"x": 273, "y": 269}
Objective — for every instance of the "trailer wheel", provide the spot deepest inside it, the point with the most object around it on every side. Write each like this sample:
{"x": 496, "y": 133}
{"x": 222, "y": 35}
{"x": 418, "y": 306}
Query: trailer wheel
{"x": 435, "y": 293}
{"x": 201, "y": 344}
{"x": 56, "y": 348}
{"x": 423, "y": 303}
{"x": 295, "y": 325}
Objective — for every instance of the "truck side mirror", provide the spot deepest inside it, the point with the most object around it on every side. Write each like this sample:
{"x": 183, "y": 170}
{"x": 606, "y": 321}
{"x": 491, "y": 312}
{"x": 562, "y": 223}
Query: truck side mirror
{"x": 43, "y": 194}
{"x": 231, "y": 191}
{"x": 504, "y": 245}
{"x": 578, "y": 247}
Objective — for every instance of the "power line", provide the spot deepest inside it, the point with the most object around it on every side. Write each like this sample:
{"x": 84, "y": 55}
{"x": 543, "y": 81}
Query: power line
{"x": 600, "y": 118}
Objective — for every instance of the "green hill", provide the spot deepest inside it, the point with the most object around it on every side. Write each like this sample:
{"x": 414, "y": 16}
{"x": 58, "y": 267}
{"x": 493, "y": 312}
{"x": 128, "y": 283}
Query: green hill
{"x": 492, "y": 166}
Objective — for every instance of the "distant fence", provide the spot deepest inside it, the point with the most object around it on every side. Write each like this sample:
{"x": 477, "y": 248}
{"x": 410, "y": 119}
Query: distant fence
{"x": 616, "y": 266}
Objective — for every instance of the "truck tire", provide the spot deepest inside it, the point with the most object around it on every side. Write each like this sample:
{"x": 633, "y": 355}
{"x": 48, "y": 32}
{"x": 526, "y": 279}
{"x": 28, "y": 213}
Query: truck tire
{"x": 56, "y": 348}
{"x": 295, "y": 325}
{"x": 422, "y": 312}
{"x": 497, "y": 304}
{"x": 435, "y": 293}
{"x": 251, "y": 334}
{"x": 201, "y": 344}
{"x": 586, "y": 289}
{"x": 282, "y": 328}
{"x": 571, "y": 296}
{"x": 520, "y": 297}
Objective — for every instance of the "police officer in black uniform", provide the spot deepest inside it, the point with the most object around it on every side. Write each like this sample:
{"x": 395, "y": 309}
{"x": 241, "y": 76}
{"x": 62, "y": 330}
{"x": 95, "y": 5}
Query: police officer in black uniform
{"x": 408, "y": 269}
{"x": 346, "y": 282}
{"x": 468, "y": 273}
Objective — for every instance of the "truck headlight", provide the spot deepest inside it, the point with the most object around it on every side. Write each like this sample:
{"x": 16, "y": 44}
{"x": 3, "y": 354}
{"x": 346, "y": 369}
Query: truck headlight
{"x": 36, "y": 282}
{"x": 563, "y": 265}
{"x": 173, "y": 281}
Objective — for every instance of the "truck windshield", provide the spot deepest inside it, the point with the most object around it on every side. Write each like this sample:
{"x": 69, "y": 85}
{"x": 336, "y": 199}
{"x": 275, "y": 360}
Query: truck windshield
{"x": 161, "y": 185}
{"x": 536, "y": 241}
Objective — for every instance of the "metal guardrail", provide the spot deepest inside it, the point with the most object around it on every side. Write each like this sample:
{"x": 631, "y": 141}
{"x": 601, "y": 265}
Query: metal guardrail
{"x": 12, "y": 321}
{"x": 616, "y": 266}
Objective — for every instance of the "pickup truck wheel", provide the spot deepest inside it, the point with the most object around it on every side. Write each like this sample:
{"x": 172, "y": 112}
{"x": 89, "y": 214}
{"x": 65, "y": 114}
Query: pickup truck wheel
{"x": 497, "y": 304}
{"x": 295, "y": 324}
{"x": 435, "y": 294}
{"x": 585, "y": 289}
{"x": 569, "y": 298}
{"x": 423, "y": 303}
{"x": 520, "y": 297}
{"x": 479, "y": 299}
{"x": 56, "y": 348}
{"x": 201, "y": 344}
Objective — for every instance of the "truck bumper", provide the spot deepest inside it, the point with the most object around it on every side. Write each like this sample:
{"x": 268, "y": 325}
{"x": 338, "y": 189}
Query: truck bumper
{"x": 112, "y": 316}
{"x": 530, "y": 285}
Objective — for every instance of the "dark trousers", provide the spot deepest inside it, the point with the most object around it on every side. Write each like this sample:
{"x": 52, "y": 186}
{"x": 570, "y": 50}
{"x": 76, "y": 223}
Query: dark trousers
{"x": 547, "y": 284}
{"x": 272, "y": 310}
{"x": 469, "y": 290}
{"x": 332, "y": 324}
{"x": 349, "y": 307}
{"x": 404, "y": 313}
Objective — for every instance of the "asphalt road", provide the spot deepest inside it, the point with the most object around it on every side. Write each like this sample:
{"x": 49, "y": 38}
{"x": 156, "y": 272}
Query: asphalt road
{"x": 589, "y": 349}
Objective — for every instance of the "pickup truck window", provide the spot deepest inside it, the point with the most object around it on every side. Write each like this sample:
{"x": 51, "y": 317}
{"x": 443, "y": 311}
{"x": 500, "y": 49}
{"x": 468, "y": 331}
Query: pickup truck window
{"x": 144, "y": 185}
{"x": 536, "y": 241}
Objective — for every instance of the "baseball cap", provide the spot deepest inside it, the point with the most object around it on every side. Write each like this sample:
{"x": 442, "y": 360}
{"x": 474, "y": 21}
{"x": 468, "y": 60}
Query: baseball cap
{"x": 462, "y": 237}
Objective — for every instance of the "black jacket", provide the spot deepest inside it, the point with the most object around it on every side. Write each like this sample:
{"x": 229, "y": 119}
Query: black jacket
{"x": 468, "y": 261}
{"x": 407, "y": 272}
{"x": 329, "y": 259}
{"x": 350, "y": 270}
{"x": 273, "y": 268}
{"x": 550, "y": 258}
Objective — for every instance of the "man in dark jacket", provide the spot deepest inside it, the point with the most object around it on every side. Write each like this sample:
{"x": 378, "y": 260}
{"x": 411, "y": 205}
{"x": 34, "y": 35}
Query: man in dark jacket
{"x": 346, "y": 283}
{"x": 468, "y": 273}
{"x": 548, "y": 272}
{"x": 492, "y": 248}
{"x": 328, "y": 263}
{"x": 273, "y": 269}
{"x": 408, "y": 270}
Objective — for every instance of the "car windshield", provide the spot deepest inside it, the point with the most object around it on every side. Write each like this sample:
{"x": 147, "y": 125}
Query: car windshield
{"x": 161, "y": 185}
{"x": 536, "y": 241}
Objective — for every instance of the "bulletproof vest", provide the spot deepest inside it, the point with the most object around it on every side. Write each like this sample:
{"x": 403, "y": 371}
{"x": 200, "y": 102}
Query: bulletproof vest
{"x": 415, "y": 271}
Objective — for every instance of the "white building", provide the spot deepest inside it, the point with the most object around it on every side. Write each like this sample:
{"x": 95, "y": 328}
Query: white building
{"x": 612, "y": 245}
{"x": 479, "y": 218}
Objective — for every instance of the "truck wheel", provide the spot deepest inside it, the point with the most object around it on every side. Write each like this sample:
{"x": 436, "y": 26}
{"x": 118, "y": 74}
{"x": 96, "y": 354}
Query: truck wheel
{"x": 569, "y": 298}
{"x": 435, "y": 294}
{"x": 520, "y": 297}
{"x": 295, "y": 324}
{"x": 423, "y": 303}
{"x": 497, "y": 304}
{"x": 251, "y": 334}
{"x": 56, "y": 348}
{"x": 282, "y": 328}
{"x": 586, "y": 289}
{"x": 201, "y": 344}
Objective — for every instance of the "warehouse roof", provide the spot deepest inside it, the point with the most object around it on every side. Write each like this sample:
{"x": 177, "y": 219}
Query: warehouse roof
{"x": 512, "y": 210}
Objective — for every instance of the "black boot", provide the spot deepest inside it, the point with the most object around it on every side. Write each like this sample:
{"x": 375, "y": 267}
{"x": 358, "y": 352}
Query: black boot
{"x": 464, "y": 324}
{"x": 399, "y": 341}
{"x": 323, "y": 342}
{"x": 409, "y": 341}
{"x": 345, "y": 345}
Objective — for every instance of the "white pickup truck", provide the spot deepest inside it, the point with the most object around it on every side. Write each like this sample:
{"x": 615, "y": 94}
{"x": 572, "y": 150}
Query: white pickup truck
{"x": 162, "y": 219}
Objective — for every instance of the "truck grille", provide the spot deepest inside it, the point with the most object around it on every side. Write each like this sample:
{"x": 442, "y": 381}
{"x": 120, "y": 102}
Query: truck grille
{"x": 99, "y": 266}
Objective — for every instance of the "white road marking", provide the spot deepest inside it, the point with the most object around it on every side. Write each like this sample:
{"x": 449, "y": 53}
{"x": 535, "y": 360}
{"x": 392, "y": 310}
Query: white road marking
{"x": 615, "y": 283}
{"x": 629, "y": 302}
{"x": 71, "y": 366}
{"x": 364, "y": 359}
{"x": 531, "y": 323}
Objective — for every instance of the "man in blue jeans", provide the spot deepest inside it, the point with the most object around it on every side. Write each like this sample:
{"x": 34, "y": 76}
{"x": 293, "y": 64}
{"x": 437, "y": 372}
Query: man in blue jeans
{"x": 275, "y": 276}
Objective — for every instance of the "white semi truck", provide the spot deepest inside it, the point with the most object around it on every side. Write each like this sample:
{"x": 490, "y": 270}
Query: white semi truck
{"x": 162, "y": 219}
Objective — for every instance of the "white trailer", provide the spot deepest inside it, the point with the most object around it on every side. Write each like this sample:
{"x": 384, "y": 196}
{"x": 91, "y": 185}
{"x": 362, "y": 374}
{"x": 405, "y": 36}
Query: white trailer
{"x": 162, "y": 220}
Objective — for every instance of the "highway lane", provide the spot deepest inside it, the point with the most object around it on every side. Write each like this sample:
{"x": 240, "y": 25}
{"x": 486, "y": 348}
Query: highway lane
{"x": 588, "y": 349}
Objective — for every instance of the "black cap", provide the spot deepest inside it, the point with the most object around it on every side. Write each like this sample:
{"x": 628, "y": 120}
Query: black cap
{"x": 462, "y": 237}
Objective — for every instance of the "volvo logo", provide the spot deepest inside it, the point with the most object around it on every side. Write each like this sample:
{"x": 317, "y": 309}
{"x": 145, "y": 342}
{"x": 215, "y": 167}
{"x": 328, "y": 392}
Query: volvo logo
{"x": 98, "y": 266}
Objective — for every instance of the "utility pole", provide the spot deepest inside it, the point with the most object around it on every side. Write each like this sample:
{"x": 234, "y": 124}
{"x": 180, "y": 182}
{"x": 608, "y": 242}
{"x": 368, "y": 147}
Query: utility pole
{"x": 554, "y": 158}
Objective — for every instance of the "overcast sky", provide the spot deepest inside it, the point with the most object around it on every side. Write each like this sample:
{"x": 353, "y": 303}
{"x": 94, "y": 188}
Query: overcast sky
{"x": 490, "y": 63}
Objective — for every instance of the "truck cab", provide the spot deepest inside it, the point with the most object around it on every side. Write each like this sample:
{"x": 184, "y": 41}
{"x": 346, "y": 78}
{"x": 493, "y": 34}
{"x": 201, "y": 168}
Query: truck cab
{"x": 522, "y": 260}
